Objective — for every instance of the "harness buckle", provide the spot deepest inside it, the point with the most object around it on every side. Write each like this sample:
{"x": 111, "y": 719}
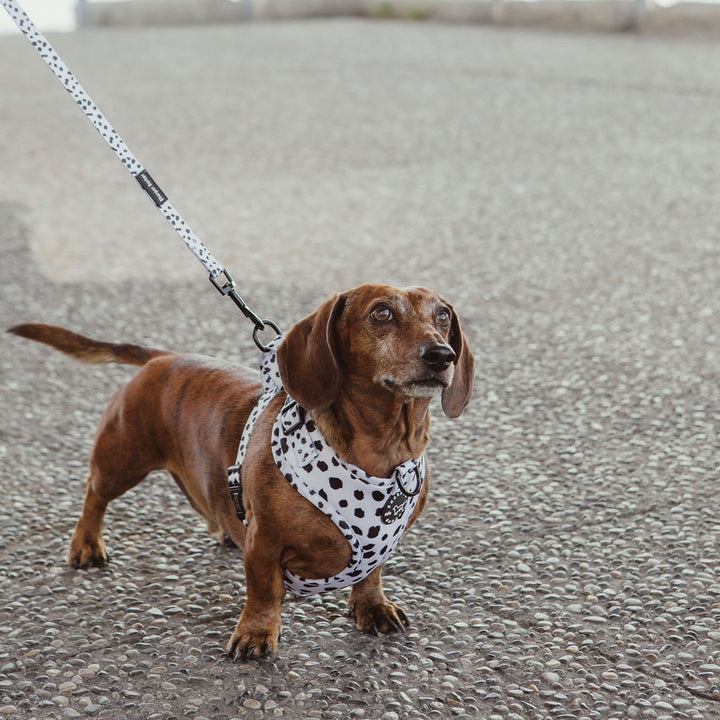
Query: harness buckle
{"x": 292, "y": 416}
{"x": 235, "y": 487}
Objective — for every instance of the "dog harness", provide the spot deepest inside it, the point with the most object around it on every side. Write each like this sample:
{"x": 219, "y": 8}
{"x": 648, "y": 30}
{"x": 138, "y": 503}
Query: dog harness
{"x": 371, "y": 512}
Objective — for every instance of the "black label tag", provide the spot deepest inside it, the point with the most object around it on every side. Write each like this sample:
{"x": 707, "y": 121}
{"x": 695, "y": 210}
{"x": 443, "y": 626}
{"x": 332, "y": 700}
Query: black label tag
{"x": 394, "y": 508}
{"x": 151, "y": 188}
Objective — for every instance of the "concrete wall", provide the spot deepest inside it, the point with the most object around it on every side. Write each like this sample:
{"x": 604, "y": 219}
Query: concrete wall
{"x": 590, "y": 15}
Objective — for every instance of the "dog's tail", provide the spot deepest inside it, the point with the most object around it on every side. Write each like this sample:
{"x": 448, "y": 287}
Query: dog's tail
{"x": 85, "y": 349}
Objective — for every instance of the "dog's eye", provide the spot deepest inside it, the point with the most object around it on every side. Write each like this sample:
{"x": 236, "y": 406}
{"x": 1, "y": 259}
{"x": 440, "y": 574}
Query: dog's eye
{"x": 442, "y": 317}
{"x": 381, "y": 314}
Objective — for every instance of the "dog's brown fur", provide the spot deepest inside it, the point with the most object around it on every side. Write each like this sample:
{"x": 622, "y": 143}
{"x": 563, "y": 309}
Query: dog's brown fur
{"x": 356, "y": 364}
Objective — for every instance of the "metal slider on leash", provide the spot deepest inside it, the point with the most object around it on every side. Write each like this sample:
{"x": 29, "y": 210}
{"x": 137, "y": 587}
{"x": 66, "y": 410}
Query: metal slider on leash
{"x": 218, "y": 274}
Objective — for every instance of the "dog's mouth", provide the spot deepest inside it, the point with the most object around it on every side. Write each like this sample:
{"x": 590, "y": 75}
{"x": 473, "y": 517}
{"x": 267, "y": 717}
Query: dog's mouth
{"x": 420, "y": 387}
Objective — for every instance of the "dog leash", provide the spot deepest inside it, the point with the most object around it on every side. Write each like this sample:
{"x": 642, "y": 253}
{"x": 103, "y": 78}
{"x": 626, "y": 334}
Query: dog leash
{"x": 218, "y": 274}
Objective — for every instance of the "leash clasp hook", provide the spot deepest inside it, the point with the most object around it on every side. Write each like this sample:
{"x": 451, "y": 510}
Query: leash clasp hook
{"x": 225, "y": 285}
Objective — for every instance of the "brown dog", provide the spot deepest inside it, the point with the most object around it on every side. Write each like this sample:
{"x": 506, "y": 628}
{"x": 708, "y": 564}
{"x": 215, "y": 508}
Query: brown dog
{"x": 364, "y": 365}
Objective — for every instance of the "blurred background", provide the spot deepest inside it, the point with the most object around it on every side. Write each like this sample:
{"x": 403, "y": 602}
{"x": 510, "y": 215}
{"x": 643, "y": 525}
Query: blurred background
{"x": 48, "y": 15}
{"x": 67, "y": 15}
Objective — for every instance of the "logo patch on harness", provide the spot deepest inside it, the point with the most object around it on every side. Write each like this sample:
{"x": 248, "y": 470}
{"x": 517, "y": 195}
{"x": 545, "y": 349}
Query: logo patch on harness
{"x": 393, "y": 508}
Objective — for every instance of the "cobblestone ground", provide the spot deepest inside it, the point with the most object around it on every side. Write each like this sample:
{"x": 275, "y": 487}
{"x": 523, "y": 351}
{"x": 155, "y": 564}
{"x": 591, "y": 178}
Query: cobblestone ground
{"x": 561, "y": 190}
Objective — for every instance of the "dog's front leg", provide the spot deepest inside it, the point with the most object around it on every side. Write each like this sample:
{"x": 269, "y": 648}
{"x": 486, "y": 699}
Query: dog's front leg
{"x": 258, "y": 628}
{"x": 372, "y": 611}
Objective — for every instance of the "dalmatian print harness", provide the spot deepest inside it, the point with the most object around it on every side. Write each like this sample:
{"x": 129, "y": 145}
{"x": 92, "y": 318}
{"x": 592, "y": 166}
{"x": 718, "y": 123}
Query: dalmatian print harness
{"x": 371, "y": 512}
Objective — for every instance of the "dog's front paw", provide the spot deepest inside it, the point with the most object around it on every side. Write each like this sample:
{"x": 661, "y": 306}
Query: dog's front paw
{"x": 252, "y": 641}
{"x": 379, "y": 617}
{"x": 86, "y": 551}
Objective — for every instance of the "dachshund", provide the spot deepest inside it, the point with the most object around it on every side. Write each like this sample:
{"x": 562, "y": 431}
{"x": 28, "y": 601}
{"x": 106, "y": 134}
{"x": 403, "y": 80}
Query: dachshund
{"x": 361, "y": 370}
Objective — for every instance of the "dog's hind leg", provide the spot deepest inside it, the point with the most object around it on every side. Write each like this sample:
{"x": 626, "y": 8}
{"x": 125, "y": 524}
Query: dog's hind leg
{"x": 213, "y": 528}
{"x": 122, "y": 457}
{"x": 87, "y": 548}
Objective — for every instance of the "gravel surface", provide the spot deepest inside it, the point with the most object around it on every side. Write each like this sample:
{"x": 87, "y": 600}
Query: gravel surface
{"x": 561, "y": 190}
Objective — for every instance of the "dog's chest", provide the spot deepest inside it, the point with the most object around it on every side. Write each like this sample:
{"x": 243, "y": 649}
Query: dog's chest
{"x": 370, "y": 512}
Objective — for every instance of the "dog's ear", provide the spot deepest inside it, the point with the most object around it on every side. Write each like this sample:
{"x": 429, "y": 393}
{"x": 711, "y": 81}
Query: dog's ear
{"x": 456, "y": 396}
{"x": 308, "y": 357}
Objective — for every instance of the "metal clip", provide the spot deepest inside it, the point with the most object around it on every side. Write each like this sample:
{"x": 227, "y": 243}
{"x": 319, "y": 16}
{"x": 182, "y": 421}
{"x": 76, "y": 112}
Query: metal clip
{"x": 225, "y": 285}
{"x": 266, "y": 324}
{"x": 227, "y": 288}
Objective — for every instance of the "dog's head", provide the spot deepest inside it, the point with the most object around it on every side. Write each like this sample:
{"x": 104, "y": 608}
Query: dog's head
{"x": 407, "y": 342}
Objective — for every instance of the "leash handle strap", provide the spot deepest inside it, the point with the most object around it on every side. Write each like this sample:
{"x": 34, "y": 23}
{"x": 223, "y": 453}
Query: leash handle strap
{"x": 118, "y": 146}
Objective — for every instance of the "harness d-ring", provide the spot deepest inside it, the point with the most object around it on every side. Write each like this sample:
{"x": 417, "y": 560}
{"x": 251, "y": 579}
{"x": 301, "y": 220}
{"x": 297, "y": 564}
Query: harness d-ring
{"x": 258, "y": 328}
{"x": 418, "y": 483}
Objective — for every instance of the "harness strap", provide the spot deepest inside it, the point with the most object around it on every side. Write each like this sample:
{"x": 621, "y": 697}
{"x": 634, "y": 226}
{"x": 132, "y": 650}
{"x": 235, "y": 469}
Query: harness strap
{"x": 235, "y": 471}
{"x": 272, "y": 386}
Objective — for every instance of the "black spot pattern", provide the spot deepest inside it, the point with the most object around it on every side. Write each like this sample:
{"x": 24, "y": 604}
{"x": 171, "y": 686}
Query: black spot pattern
{"x": 354, "y": 501}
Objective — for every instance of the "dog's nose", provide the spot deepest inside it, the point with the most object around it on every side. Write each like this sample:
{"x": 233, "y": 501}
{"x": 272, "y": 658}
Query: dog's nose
{"x": 436, "y": 356}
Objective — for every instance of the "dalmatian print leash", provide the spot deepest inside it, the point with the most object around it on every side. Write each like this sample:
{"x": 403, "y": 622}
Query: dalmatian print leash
{"x": 110, "y": 136}
{"x": 219, "y": 276}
